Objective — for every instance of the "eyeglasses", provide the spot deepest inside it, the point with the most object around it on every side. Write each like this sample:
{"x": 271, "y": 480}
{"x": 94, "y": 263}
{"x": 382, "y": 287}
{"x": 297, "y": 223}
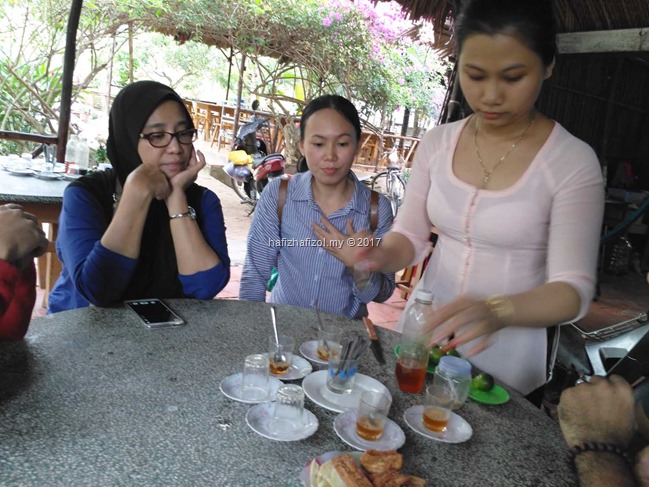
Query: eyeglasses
{"x": 163, "y": 139}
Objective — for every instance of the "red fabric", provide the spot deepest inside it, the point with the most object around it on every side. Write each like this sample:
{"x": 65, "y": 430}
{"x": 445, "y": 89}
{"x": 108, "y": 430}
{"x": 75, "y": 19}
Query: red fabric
{"x": 17, "y": 298}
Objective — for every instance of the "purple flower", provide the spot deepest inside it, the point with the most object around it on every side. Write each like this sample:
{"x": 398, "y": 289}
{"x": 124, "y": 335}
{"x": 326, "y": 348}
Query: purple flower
{"x": 327, "y": 21}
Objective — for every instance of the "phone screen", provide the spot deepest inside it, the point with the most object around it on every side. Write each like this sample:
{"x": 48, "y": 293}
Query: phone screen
{"x": 154, "y": 312}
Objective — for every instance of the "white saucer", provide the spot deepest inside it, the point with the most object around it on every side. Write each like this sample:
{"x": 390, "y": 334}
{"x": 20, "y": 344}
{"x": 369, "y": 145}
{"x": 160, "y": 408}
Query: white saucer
{"x": 21, "y": 172}
{"x": 309, "y": 350}
{"x": 345, "y": 427}
{"x": 457, "y": 431}
{"x": 231, "y": 387}
{"x": 71, "y": 177}
{"x": 49, "y": 176}
{"x": 299, "y": 368}
{"x": 259, "y": 418}
{"x": 315, "y": 388}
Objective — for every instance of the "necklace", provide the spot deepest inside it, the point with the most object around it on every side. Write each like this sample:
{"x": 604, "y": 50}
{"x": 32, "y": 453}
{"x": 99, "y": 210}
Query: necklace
{"x": 486, "y": 173}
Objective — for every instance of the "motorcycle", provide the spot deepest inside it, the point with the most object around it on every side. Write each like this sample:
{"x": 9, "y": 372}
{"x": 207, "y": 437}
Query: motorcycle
{"x": 250, "y": 167}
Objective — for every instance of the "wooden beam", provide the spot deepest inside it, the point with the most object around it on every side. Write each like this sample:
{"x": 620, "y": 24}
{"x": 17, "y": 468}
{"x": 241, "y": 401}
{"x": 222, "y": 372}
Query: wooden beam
{"x": 41, "y": 139}
{"x": 621, "y": 40}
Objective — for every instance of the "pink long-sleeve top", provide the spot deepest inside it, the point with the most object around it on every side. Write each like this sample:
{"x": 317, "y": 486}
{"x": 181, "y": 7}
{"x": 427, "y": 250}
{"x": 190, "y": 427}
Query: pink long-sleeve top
{"x": 544, "y": 228}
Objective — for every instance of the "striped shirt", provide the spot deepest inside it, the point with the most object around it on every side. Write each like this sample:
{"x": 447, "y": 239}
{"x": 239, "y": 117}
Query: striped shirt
{"x": 308, "y": 274}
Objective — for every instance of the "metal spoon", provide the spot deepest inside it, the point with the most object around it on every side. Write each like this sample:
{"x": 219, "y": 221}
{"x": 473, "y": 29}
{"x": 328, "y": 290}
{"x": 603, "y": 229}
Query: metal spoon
{"x": 325, "y": 345}
{"x": 278, "y": 357}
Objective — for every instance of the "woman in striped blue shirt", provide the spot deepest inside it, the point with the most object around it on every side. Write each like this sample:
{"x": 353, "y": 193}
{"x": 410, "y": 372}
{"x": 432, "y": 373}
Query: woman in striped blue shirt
{"x": 325, "y": 219}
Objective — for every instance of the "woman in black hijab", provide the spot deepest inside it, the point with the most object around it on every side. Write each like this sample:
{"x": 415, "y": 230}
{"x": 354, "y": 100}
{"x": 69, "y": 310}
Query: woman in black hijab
{"x": 143, "y": 229}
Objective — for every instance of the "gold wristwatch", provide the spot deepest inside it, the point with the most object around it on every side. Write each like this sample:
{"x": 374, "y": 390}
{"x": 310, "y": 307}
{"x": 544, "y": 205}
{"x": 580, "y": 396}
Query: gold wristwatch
{"x": 191, "y": 213}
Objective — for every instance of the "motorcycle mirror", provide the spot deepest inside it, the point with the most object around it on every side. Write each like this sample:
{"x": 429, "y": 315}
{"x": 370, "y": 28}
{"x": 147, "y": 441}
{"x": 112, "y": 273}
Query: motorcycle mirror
{"x": 255, "y": 105}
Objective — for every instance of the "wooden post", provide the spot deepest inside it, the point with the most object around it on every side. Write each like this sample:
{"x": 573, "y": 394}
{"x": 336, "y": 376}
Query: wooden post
{"x": 110, "y": 72}
{"x": 66, "y": 82}
{"x": 130, "y": 52}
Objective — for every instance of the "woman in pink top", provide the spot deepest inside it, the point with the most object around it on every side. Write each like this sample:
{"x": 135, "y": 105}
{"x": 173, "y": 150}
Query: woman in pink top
{"x": 516, "y": 199}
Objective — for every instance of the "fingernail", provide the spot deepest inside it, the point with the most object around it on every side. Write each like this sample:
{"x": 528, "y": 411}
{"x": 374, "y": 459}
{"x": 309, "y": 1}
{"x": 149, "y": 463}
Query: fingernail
{"x": 448, "y": 346}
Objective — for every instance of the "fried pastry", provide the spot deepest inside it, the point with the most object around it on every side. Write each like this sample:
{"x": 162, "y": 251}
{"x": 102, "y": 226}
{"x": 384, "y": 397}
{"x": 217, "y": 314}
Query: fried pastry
{"x": 375, "y": 461}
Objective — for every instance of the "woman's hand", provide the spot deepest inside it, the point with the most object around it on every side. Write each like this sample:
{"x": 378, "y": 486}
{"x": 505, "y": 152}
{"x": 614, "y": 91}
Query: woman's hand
{"x": 348, "y": 247}
{"x": 149, "y": 180}
{"x": 468, "y": 319}
{"x": 182, "y": 180}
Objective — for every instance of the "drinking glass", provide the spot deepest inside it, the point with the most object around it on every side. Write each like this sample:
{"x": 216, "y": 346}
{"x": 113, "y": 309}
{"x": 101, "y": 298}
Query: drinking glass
{"x": 373, "y": 411}
{"x": 288, "y": 415}
{"x": 280, "y": 355}
{"x": 437, "y": 408}
{"x": 328, "y": 336}
{"x": 254, "y": 382}
{"x": 341, "y": 373}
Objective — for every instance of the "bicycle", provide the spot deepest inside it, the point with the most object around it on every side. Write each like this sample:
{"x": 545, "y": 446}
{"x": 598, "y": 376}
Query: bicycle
{"x": 390, "y": 181}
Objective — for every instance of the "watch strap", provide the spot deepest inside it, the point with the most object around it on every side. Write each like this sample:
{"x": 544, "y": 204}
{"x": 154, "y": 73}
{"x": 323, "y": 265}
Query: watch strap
{"x": 189, "y": 213}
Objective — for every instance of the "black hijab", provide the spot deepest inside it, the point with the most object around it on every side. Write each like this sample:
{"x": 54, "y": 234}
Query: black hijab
{"x": 156, "y": 274}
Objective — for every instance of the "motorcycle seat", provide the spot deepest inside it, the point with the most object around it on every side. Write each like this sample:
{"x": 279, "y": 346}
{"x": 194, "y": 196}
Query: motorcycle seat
{"x": 270, "y": 158}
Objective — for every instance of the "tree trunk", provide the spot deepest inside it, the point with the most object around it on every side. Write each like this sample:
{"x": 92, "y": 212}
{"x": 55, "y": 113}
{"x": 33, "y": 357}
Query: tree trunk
{"x": 404, "y": 126}
{"x": 239, "y": 91}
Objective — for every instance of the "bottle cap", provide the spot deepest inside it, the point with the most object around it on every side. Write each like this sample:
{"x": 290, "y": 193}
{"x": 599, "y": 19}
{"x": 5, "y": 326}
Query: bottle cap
{"x": 424, "y": 295}
{"x": 454, "y": 366}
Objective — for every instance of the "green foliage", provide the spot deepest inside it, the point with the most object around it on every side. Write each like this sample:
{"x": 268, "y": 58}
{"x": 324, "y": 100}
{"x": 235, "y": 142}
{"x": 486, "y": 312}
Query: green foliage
{"x": 295, "y": 50}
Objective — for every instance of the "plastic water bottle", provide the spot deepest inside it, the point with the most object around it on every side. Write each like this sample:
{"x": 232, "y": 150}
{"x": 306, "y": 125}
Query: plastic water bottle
{"x": 412, "y": 360}
{"x": 84, "y": 155}
{"x": 71, "y": 152}
{"x": 454, "y": 375}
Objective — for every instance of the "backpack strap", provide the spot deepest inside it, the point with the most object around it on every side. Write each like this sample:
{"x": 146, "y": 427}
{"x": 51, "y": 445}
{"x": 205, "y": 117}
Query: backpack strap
{"x": 374, "y": 205}
{"x": 281, "y": 199}
{"x": 374, "y": 210}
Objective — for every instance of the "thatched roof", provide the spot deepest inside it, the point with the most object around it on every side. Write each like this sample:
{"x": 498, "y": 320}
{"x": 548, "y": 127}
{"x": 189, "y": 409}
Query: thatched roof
{"x": 573, "y": 15}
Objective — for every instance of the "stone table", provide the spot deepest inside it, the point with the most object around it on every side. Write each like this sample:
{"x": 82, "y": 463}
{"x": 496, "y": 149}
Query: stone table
{"x": 92, "y": 397}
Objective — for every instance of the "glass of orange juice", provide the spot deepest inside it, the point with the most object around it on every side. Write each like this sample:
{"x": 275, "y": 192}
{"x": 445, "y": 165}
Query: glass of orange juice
{"x": 437, "y": 408}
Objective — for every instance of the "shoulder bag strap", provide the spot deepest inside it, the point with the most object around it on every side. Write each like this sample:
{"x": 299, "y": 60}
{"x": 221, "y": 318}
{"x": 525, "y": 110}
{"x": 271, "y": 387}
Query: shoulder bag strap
{"x": 374, "y": 210}
{"x": 281, "y": 199}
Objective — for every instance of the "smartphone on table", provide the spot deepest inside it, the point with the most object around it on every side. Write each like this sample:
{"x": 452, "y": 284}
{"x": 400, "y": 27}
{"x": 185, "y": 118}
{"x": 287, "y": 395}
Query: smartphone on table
{"x": 154, "y": 313}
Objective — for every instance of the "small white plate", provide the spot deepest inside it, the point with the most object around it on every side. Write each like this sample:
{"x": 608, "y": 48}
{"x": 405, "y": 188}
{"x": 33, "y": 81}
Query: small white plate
{"x": 457, "y": 431}
{"x": 49, "y": 176}
{"x": 299, "y": 369}
{"x": 315, "y": 388}
{"x": 71, "y": 177}
{"x": 310, "y": 351}
{"x": 21, "y": 172}
{"x": 345, "y": 427}
{"x": 231, "y": 387}
{"x": 259, "y": 418}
